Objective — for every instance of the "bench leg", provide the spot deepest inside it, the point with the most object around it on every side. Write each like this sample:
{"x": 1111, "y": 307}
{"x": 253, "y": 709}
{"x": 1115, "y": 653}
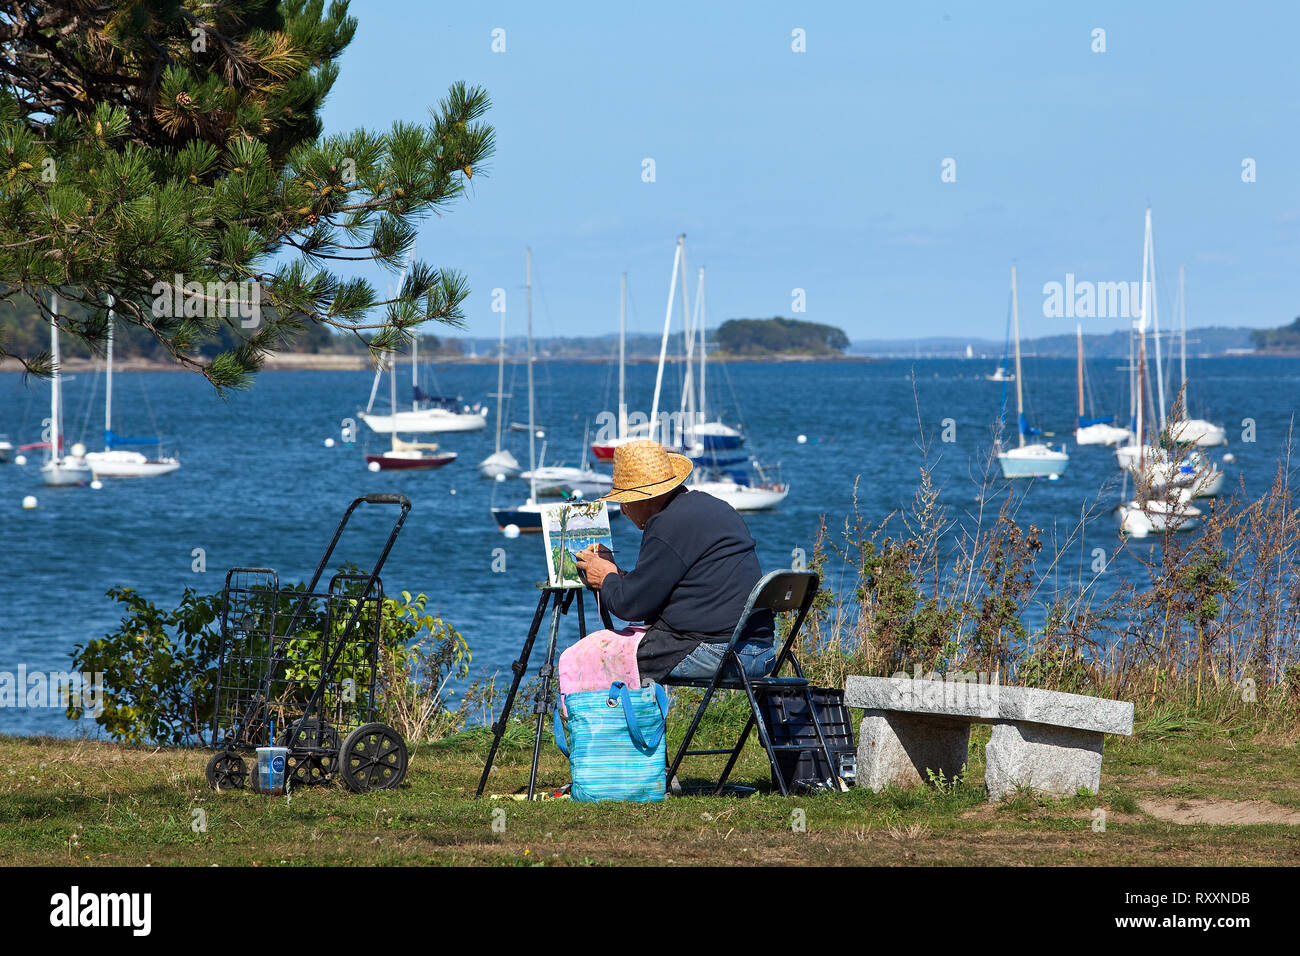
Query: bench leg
{"x": 1055, "y": 760}
{"x": 896, "y": 750}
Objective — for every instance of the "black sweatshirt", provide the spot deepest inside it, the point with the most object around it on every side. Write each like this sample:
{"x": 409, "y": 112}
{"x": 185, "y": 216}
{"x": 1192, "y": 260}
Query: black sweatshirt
{"x": 692, "y": 578}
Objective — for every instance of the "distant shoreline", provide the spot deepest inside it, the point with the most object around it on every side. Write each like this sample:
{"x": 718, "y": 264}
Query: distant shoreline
{"x": 330, "y": 362}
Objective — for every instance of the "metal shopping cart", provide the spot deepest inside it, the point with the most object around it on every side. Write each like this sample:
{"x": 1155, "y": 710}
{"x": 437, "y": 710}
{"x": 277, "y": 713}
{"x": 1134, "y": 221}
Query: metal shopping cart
{"x": 298, "y": 668}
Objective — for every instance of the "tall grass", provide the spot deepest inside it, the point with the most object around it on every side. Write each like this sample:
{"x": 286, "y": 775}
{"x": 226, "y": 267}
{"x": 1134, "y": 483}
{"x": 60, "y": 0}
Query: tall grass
{"x": 1208, "y": 629}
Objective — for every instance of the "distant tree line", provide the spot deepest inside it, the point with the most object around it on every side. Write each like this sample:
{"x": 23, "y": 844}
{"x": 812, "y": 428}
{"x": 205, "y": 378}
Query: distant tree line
{"x": 24, "y": 331}
{"x": 1286, "y": 338}
{"x": 778, "y": 336}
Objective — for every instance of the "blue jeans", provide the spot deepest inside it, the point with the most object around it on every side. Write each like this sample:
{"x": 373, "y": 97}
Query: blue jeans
{"x": 702, "y": 663}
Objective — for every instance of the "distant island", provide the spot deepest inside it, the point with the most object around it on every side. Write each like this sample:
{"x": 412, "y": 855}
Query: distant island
{"x": 768, "y": 338}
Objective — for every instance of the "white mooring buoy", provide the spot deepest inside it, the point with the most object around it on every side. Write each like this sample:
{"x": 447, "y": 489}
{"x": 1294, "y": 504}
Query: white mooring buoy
{"x": 29, "y": 502}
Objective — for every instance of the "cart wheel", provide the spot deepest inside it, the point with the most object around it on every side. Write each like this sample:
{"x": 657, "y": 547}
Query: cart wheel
{"x": 309, "y": 769}
{"x": 373, "y": 758}
{"x": 226, "y": 771}
{"x": 306, "y": 769}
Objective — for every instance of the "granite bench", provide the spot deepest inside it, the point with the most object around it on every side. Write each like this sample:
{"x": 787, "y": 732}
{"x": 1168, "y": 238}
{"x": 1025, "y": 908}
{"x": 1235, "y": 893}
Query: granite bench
{"x": 1044, "y": 740}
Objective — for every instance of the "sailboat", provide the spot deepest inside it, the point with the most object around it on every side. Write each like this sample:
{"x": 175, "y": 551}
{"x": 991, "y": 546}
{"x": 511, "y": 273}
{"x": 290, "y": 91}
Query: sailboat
{"x": 581, "y": 481}
{"x": 1156, "y": 508}
{"x": 408, "y": 455}
{"x": 428, "y": 413}
{"x": 59, "y": 469}
{"x": 501, "y": 463}
{"x": 1035, "y": 459}
{"x": 117, "y": 462}
{"x": 1094, "y": 431}
{"x": 712, "y": 445}
{"x": 527, "y": 516}
{"x": 1191, "y": 431}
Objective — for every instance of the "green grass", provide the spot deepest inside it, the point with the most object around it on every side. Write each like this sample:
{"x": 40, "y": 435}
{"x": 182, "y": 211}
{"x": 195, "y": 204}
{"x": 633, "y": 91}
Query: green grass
{"x": 91, "y": 803}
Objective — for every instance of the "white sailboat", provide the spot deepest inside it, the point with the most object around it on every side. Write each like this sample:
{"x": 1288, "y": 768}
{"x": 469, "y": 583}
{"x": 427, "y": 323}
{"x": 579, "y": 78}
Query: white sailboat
{"x": 118, "y": 462}
{"x": 581, "y": 481}
{"x": 59, "y": 469}
{"x": 1156, "y": 508}
{"x": 1033, "y": 459}
{"x": 501, "y": 463}
{"x": 1094, "y": 431}
{"x": 1191, "y": 431}
{"x": 428, "y": 413}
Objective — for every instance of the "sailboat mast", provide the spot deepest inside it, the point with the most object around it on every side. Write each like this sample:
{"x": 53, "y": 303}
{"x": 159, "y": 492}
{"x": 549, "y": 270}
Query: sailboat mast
{"x": 1015, "y": 325}
{"x": 704, "y": 352}
{"x": 622, "y": 355}
{"x": 688, "y": 380}
{"x": 108, "y": 378}
{"x": 1155, "y": 315}
{"x": 1078, "y": 331}
{"x": 1141, "y": 396}
{"x": 532, "y": 425}
{"x": 1182, "y": 322}
{"x": 392, "y": 396}
{"x": 501, "y": 375}
{"x": 55, "y": 410}
{"x": 663, "y": 344}
{"x": 415, "y": 346}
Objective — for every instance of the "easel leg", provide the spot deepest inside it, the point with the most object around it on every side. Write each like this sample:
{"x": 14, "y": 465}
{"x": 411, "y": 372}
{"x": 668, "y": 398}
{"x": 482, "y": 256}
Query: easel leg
{"x": 519, "y": 667}
{"x": 543, "y": 705}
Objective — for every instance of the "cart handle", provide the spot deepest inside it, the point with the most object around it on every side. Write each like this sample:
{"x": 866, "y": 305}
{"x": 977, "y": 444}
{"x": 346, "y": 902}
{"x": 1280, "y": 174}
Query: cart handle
{"x": 388, "y": 499}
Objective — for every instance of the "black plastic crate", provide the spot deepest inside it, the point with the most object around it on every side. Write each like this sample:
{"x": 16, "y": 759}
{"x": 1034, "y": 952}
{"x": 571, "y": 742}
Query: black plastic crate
{"x": 789, "y": 722}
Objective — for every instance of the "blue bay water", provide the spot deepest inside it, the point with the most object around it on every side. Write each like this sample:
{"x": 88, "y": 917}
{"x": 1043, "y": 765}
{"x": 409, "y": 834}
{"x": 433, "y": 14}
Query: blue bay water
{"x": 258, "y": 487}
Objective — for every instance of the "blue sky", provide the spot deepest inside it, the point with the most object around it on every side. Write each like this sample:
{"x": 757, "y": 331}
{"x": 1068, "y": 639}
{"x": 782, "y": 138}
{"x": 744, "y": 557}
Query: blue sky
{"x": 822, "y": 170}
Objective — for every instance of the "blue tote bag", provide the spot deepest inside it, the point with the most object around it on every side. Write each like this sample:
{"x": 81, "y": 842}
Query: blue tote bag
{"x": 616, "y": 743}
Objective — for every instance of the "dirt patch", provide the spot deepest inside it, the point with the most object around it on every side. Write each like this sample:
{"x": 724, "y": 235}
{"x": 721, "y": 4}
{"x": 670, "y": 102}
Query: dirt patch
{"x": 1219, "y": 812}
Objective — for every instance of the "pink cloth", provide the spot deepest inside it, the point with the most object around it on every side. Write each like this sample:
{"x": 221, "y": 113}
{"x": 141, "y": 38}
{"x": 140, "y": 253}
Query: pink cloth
{"x": 600, "y": 659}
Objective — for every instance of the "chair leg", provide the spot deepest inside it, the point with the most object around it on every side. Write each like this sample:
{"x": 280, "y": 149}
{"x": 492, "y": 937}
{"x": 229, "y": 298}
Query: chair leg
{"x": 756, "y": 718}
{"x": 690, "y": 733}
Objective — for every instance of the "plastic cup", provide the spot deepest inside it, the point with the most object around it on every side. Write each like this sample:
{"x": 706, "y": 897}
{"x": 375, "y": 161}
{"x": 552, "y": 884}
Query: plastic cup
{"x": 269, "y": 777}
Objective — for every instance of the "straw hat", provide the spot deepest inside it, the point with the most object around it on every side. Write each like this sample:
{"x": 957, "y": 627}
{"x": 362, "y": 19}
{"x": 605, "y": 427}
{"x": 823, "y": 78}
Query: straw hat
{"x": 644, "y": 469}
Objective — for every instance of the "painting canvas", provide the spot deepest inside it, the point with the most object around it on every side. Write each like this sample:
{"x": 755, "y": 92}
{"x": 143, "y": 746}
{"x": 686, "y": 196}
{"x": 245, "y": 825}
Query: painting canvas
{"x": 569, "y": 527}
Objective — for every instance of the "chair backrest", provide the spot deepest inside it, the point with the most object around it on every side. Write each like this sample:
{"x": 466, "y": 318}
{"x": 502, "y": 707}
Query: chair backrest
{"x": 779, "y": 591}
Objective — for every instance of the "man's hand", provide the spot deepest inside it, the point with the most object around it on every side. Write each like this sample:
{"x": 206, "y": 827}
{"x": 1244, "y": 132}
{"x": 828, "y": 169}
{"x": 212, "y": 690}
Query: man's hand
{"x": 594, "y": 563}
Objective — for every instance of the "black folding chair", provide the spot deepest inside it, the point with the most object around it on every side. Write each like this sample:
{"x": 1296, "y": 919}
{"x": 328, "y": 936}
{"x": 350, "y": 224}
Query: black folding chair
{"x": 778, "y": 591}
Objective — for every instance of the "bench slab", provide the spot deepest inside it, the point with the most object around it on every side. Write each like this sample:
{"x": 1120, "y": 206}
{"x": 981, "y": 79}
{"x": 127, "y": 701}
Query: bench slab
{"x": 1045, "y": 740}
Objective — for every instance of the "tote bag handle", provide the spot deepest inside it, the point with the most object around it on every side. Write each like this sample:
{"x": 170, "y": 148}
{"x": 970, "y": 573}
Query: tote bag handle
{"x": 618, "y": 692}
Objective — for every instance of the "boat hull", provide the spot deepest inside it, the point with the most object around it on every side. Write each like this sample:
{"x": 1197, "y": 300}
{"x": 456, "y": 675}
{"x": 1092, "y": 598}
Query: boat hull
{"x": 129, "y": 464}
{"x": 390, "y": 461}
{"x": 1033, "y": 461}
{"x": 1101, "y": 435}
{"x": 745, "y": 497}
{"x": 1197, "y": 432}
{"x": 1142, "y": 518}
{"x": 425, "y": 421}
{"x": 499, "y": 464}
{"x": 65, "y": 474}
